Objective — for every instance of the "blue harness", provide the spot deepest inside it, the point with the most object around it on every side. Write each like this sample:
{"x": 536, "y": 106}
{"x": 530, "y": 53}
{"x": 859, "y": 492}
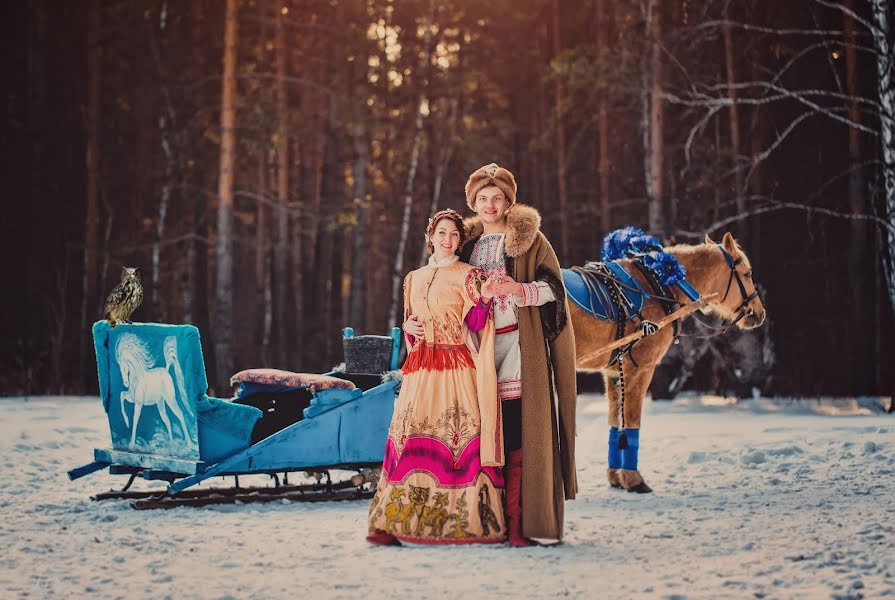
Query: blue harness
{"x": 592, "y": 294}
{"x": 589, "y": 289}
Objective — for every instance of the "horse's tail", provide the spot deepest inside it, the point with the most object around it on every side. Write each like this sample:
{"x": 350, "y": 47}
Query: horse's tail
{"x": 172, "y": 361}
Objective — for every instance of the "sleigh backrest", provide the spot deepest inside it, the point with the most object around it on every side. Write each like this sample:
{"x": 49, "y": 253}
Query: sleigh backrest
{"x": 155, "y": 370}
{"x": 372, "y": 354}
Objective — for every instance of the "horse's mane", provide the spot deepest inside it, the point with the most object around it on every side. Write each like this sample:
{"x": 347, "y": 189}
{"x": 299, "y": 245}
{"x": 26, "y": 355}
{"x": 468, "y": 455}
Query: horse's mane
{"x": 131, "y": 351}
{"x": 691, "y": 249}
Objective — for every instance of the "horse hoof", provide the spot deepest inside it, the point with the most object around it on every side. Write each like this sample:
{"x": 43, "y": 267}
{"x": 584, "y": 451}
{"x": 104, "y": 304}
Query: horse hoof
{"x": 641, "y": 488}
{"x": 612, "y": 476}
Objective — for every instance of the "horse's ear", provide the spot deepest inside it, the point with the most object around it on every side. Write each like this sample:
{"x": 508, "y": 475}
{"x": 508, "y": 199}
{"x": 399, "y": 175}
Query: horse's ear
{"x": 729, "y": 244}
{"x": 708, "y": 240}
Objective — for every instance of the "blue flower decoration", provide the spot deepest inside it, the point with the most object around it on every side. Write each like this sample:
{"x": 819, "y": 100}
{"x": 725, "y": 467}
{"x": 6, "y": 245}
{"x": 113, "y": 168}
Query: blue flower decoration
{"x": 632, "y": 242}
{"x": 617, "y": 244}
{"x": 666, "y": 267}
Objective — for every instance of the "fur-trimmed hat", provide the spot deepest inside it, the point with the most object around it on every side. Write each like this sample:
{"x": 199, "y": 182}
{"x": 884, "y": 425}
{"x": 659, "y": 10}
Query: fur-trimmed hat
{"x": 490, "y": 175}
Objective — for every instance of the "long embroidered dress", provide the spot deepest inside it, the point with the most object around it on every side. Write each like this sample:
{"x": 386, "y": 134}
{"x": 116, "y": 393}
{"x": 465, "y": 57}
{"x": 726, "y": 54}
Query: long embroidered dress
{"x": 442, "y": 480}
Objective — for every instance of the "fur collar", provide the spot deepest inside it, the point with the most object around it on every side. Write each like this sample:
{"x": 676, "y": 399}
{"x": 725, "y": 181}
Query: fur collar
{"x": 523, "y": 225}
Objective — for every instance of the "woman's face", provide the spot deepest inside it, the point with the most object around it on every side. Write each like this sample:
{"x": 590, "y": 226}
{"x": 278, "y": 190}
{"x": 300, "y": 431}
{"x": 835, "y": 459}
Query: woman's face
{"x": 491, "y": 204}
{"x": 445, "y": 239}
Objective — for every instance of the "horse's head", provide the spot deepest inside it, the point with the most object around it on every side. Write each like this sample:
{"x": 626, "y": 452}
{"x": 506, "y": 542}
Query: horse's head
{"x": 133, "y": 358}
{"x": 738, "y": 300}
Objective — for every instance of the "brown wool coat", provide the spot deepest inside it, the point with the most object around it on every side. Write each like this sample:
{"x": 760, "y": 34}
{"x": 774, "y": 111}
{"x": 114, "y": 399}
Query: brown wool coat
{"x": 548, "y": 375}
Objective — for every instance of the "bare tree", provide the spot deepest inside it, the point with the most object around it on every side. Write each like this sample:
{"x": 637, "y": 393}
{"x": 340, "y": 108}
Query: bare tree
{"x": 224, "y": 286}
{"x": 604, "y": 165}
{"x": 733, "y": 112}
{"x": 361, "y": 139}
{"x": 880, "y": 28}
{"x": 166, "y": 121}
{"x": 422, "y": 103}
{"x": 840, "y": 106}
{"x": 860, "y": 234}
{"x": 188, "y": 278}
{"x": 281, "y": 250}
{"x": 445, "y": 153}
{"x": 653, "y": 119}
{"x": 91, "y": 229}
{"x": 561, "y": 181}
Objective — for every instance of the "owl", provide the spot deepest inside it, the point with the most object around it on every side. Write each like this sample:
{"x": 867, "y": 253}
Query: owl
{"x": 125, "y": 297}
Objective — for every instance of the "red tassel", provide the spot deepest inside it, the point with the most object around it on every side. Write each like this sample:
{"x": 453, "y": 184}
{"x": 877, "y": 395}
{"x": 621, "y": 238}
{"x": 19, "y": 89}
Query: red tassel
{"x": 439, "y": 357}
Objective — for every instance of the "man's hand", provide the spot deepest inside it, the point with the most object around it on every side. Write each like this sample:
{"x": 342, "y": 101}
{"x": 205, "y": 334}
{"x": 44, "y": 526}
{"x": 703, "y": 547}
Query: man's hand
{"x": 506, "y": 285}
{"x": 413, "y": 327}
{"x": 488, "y": 291}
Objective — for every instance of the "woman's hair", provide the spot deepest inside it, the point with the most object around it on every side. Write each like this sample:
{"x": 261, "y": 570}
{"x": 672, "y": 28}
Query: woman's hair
{"x": 448, "y": 213}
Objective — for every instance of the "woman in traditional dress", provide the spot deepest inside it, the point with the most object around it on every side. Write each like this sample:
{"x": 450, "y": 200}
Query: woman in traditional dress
{"x": 442, "y": 477}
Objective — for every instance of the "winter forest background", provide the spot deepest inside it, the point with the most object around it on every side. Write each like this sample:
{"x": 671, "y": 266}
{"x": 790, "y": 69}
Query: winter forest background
{"x": 270, "y": 165}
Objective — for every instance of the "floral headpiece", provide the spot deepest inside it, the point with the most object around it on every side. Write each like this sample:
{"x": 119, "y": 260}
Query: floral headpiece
{"x": 448, "y": 213}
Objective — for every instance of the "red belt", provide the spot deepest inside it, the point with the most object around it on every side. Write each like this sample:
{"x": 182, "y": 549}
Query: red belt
{"x": 507, "y": 329}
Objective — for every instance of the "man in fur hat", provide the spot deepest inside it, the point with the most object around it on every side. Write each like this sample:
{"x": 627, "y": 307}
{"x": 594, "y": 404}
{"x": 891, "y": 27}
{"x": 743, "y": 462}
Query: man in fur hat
{"x": 534, "y": 354}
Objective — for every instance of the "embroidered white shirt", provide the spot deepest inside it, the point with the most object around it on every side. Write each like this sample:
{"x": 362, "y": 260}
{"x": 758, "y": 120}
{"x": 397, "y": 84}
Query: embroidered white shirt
{"x": 489, "y": 255}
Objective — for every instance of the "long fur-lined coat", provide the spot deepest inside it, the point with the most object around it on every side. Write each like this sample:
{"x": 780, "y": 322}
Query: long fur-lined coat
{"x": 548, "y": 365}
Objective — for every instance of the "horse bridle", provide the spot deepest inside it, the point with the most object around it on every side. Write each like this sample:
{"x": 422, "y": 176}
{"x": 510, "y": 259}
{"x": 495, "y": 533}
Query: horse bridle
{"x": 743, "y": 310}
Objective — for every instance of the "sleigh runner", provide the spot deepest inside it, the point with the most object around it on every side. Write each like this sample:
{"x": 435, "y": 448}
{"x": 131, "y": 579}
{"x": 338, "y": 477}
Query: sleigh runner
{"x": 165, "y": 427}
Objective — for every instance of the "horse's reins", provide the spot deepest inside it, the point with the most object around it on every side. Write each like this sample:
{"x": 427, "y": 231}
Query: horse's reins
{"x": 743, "y": 310}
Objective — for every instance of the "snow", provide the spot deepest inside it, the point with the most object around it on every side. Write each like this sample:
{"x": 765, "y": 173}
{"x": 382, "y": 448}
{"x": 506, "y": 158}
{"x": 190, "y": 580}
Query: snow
{"x": 763, "y": 499}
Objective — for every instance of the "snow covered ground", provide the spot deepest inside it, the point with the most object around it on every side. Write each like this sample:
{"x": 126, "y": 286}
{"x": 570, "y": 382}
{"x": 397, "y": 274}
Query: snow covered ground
{"x": 753, "y": 500}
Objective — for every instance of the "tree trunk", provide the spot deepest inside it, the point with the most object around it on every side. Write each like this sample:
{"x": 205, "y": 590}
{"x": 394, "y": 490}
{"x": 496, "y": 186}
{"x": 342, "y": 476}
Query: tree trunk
{"x": 296, "y": 352}
{"x": 325, "y": 273}
{"x": 165, "y": 120}
{"x": 733, "y": 119}
{"x": 261, "y": 277}
{"x": 884, "y": 65}
{"x": 317, "y": 160}
{"x": 444, "y": 160}
{"x": 398, "y": 271}
{"x": 603, "y": 166}
{"x": 224, "y": 259}
{"x": 653, "y": 121}
{"x": 188, "y": 280}
{"x": 362, "y": 217}
{"x": 281, "y": 251}
{"x": 860, "y": 263}
{"x": 562, "y": 191}
{"x": 91, "y": 230}
{"x": 36, "y": 254}
{"x": 543, "y": 113}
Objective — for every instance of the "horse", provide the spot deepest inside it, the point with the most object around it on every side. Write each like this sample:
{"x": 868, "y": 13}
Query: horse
{"x": 720, "y": 273}
{"x": 147, "y": 384}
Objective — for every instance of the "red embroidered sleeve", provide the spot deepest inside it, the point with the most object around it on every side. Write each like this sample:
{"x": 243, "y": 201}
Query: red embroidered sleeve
{"x": 534, "y": 294}
{"x": 474, "y": 284}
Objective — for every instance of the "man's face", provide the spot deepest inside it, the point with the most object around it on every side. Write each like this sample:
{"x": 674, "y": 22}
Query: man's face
{"x": 491, "y": 204}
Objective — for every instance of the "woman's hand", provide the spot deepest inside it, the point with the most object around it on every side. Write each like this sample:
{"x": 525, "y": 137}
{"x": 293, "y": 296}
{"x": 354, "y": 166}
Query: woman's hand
{"x": 506, "y": 285}
{"x": 488, "y": 291}
{"x": 413, "y": 327}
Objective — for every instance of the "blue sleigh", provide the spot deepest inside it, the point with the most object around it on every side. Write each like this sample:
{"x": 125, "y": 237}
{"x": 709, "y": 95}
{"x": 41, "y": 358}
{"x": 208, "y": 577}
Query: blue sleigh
{"x": 165, "y": 427}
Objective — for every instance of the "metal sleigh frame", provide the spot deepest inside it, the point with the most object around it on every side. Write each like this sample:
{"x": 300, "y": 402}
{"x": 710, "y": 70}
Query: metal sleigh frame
{"x": 337, "y": 421}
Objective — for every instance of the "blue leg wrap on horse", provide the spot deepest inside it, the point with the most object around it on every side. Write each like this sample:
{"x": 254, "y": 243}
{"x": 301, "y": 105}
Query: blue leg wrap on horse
{"x": 615, "y": 455}
{"x": 629, "y": 454}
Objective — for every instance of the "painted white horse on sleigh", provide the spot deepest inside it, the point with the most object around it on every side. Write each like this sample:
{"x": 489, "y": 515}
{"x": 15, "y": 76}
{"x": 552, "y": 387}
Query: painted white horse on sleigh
{"x": 147, "y": 385}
